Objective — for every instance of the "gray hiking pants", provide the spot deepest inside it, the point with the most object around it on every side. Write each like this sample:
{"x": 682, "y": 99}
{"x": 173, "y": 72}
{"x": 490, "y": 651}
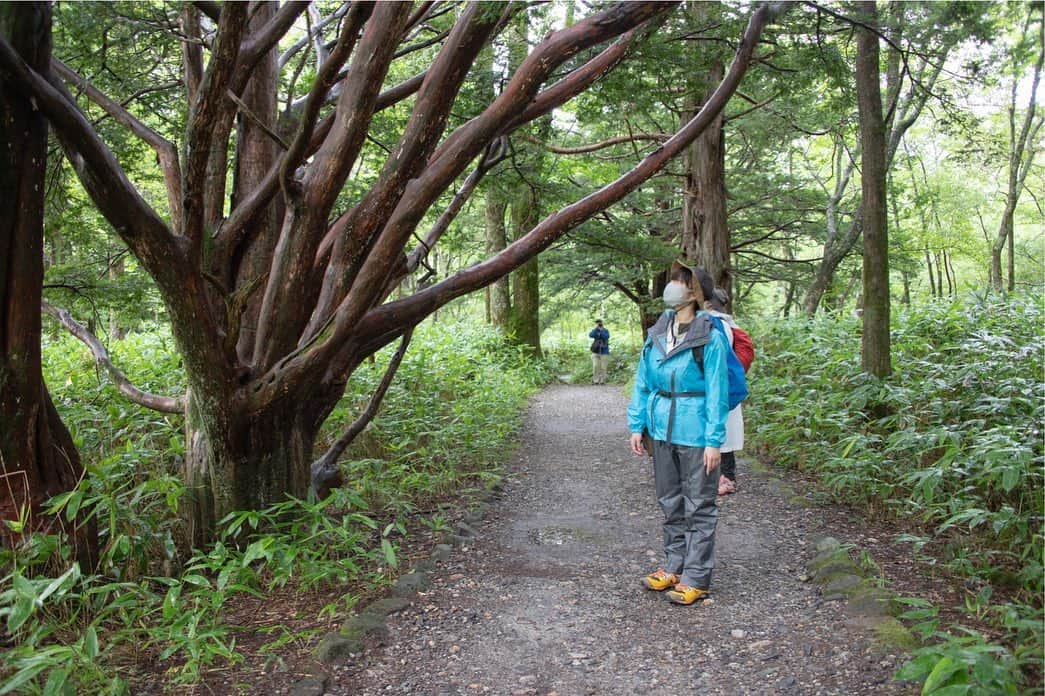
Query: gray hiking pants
{"x": 688, "y": 496}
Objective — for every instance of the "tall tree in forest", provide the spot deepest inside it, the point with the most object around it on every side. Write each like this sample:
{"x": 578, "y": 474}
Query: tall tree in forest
{"x": 37, "y": 454}
{"x": 930, "y": 33}
{"x": 525, "y": 281}
{"x": 494, "y": 208}
{"x": 525, "y": 207}
{"x": 1022, "y": 147}
{"x": 278, "y": 290}
{"x": 875, "y": 349}
{"x": 705, "y": 232}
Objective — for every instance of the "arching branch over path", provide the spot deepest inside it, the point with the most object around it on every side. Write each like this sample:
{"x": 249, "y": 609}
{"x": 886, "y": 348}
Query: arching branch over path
{"x": 277, "y": 290}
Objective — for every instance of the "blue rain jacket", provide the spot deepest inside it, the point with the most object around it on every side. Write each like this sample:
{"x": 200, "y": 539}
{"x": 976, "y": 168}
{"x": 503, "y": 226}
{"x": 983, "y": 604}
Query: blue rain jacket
{"x": 672, "y": 394}
{"x": 604, "y": 334}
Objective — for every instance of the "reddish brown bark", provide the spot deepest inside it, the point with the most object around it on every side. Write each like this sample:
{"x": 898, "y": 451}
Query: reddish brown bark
{"x": 705, "y": 232}
{"x": 37, "y": 456}
{"x": 314, "y": 293}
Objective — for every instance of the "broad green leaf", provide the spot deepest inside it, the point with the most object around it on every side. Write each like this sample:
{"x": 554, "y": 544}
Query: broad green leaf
{"x": 389, "y": 553}
{"x": 23, "y": 677}
{"x": 57, "y": 683}
{"x": 946, "y": 669}
{"x": 90, "y": 643}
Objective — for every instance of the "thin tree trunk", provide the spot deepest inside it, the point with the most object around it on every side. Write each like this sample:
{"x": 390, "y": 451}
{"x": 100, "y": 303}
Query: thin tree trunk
{"x": 500, "y": 302}
{"x": 951, "y": 288}
{"x": 839, "y": 243}
{"x": 1022, "y": 149}
{"x": 524, "y": 214}
{"x": 497, "y": 293}
{"x": 1012, "y": 259}
{"x": 789, "y": 299}
{"x": 875, "y": 349}
{"x": 932, "y": 276}
{"x": 954, "y": 276}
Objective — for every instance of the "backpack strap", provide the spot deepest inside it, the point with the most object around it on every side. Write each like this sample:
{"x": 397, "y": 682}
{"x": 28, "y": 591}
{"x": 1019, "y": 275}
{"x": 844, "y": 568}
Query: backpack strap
{"x": 698, "y": 357}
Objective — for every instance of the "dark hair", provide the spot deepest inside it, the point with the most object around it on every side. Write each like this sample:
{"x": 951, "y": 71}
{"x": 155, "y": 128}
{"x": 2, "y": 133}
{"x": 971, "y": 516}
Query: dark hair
{"x": 707, "y": 285}
{"x": 682, "y": 274}
{"x": 599, "y": 322}
{"x": 719, "y": 299}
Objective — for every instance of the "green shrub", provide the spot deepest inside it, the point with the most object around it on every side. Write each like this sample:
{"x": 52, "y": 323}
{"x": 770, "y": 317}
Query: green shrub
{"x": 951, "y": 441}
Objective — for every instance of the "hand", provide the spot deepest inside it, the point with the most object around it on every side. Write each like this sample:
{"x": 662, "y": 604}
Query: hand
{"x": 712, "y": 458}
{"x": 636, "y": 445}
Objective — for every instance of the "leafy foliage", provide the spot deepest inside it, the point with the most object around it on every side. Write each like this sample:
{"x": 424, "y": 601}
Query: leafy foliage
{"x": 443, "y": 428}
{"x": 952, "y": 443}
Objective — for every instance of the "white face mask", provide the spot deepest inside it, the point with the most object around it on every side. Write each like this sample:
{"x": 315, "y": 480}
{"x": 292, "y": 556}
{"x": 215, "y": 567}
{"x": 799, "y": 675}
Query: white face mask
{"x": 677, "y": 295}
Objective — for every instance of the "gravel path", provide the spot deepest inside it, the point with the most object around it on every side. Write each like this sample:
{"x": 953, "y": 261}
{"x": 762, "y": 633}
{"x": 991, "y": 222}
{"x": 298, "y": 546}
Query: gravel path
{"x": 546, "y": 599}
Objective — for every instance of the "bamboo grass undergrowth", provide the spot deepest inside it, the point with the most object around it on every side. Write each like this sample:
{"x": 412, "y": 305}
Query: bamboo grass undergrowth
{"x": 445, "y": 426}
{"x": 950, "y": 446}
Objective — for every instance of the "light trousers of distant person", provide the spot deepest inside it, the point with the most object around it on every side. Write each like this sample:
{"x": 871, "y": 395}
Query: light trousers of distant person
{"x": 599, "y": 361}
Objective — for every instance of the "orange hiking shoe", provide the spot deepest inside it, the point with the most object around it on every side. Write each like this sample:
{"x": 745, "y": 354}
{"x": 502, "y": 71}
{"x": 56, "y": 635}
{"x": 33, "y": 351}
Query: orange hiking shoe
{"x": 684, "y": 594}
{"x": 659, "y": 581}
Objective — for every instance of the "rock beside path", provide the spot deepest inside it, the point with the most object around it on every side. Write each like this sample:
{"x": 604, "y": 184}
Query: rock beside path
{"x": 543, "y": 594}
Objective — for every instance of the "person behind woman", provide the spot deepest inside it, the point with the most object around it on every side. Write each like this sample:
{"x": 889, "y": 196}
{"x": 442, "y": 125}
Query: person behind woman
{"x": 600, "y": 352}
{"x": 683, "y": 407}
{"x": 735, "y": 422}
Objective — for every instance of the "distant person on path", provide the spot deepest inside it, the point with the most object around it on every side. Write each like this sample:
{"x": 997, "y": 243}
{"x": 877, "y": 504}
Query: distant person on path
{"x": 600, "y": 352}
{"x": 683, "y": 407}
{"x": 735, "y": 422}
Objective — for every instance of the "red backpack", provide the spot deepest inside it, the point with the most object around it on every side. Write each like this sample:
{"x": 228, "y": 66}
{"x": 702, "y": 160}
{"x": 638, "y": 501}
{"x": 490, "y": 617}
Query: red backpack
{"x": 743, "y": 347}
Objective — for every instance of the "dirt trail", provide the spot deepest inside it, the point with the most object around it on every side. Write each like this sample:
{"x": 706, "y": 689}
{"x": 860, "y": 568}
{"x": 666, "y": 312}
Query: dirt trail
{"x": 547, "y": 599}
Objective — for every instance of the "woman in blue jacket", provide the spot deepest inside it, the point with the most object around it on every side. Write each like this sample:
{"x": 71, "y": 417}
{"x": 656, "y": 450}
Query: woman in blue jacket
{"x": 683, "y": 406}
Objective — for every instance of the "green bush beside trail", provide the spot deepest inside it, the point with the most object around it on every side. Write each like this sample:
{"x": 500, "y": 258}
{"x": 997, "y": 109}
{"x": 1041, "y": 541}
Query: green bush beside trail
{"x": 950, "y": 445}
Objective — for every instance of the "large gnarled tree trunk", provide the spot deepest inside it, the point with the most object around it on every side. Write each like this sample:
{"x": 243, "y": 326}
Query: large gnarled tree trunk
{"x": 275, "y": 297}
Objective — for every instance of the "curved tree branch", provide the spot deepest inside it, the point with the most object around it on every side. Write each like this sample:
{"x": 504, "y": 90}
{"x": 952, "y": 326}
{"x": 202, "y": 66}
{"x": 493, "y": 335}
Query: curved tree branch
{"x": 594, "y": 147}
{"x": 164, "y": 404}
{"x": 409, "y": 310}
{"x": 205, "y": 113}
{"x": 326, "y": 473}
{"x": 316, "y": 35}
{"x": 270, "y": 34}
{"x": 321, "y": 86}
{"x": 164, "y": 149}
{"x": 494, "y": 155}
{"x": 132, "y": 217}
